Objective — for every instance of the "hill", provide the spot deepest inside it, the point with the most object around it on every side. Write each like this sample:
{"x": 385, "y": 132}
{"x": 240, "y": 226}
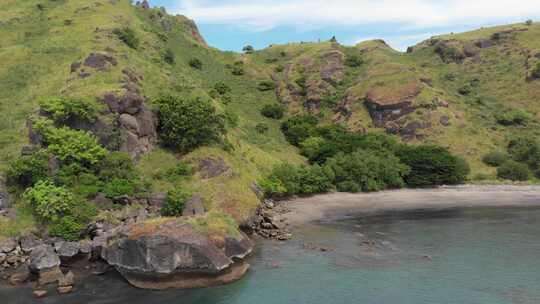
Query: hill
{"x": 470, "y": 93}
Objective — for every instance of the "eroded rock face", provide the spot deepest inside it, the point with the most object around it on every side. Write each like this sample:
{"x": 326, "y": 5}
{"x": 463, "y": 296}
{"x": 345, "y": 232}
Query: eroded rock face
{"x": 333, "y": 68}
{"x": 174, "y": 255}
{"x": 385, "y": 105}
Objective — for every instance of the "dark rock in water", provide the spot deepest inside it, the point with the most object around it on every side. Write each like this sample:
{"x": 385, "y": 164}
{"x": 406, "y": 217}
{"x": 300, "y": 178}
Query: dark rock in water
{"x": 40, "y": 293}
{"x": 174, "y": 255}
{"x": 67, "y": 280}
{"x": 194, "y": 206}
{"x": 20, "y": 276}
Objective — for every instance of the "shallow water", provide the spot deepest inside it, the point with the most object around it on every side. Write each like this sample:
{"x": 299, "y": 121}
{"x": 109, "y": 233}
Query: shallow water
{"x": 461, "y": 256}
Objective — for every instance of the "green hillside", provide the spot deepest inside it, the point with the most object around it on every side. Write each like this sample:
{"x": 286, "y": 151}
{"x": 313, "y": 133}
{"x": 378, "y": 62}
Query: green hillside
{"x": 458, "y": 91}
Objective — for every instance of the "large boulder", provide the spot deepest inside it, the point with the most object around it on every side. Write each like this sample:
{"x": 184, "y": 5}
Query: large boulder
{"x": 172, "y": 254}
{"x": 46, "y": 264}
{"x": 390, "y": 103}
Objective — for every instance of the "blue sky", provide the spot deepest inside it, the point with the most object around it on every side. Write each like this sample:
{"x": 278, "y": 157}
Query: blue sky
{"x": 231, "y": 24}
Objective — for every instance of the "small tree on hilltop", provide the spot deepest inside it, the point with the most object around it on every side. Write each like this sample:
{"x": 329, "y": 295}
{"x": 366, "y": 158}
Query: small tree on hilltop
{"x": 248, "y": 49}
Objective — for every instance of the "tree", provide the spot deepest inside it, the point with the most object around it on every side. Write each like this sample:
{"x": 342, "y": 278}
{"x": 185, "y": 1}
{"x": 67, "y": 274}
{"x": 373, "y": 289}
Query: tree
{"x": 186, "y": 124}
{"x": 432, "y": 165}
{"x": 29, "y": 169}
{"x": 514, "y": 171}
{"x": 49, "y": 201}
{"x": 367, "y": 171}
{"x": 248, "y": 49}
{"x": 298, "y": 128}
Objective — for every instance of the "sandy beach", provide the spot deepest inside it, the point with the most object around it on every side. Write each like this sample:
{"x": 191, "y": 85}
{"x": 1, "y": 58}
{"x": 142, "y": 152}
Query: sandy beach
{"x": 339, "y": 205}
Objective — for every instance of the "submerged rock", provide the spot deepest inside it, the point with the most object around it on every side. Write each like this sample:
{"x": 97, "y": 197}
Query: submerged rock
{"x": 174, "y": 255}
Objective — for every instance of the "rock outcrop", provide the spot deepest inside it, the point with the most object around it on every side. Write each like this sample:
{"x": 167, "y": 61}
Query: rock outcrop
{"x": 174, "y": 255}
{"x": 387, "y": 104}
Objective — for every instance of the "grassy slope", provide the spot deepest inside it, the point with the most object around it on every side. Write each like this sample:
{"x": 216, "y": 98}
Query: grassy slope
{"x": 38, "y": 64}
{"x": 38, "y": 47}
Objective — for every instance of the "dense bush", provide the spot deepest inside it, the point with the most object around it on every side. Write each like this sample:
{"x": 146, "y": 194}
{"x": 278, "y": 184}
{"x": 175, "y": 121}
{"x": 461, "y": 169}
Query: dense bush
{"x": 178, "y": 172}
{"x": 267, "y": 85}
{"x": 28, "y": 170}
{"x": 525, "y": 150}
{"x": 513, "y": 117}
{"x": 119, "y": 187}
{"x": 196, "y": 64}
{"x": 73, "y": 146}
{"x": 68, "y": 228}
{"x": 431, "y": 165}
{"x": 63, "y": 109}
{"x": 298, "y": 128}
{"x": 366, "y": 171}
{"x": 222, "y": 88}
{"x": 174, "y": 203}
{"x": 128, "y": 36}
{"x": 273, "y": 111}
{"x": 186, "y": 124}
{"x": 495, "y": 159}
{"x": 353, "y": 61}
{"x": 116, "y": 165}
{"x": 514, "y": 171}
{"x": 169, "y": 57}
{"x": 49, "y": 201}
{"x": 287, "y": 180}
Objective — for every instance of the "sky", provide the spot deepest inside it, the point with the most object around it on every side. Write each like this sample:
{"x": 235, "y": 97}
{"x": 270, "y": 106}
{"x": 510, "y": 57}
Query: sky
{"x": 231, "y": 24}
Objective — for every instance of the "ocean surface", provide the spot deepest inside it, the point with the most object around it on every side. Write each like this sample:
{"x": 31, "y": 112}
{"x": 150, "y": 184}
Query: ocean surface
{"x": 461, "y": 256}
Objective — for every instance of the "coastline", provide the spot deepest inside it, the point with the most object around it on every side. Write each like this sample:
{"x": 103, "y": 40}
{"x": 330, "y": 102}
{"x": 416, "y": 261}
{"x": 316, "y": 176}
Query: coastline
{"x": 342, "y": 205}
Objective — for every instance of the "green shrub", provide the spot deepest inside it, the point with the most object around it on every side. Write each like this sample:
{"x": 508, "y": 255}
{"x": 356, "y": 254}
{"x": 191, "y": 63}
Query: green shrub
{"x": 49, "y": 201}
{"x": 287, "y": 180}
{"x": 261, "y": 128}
{"x": 174, "y": 203}
{"x": 367, "y": 171}
{"x": 465, "y": 90}
{"x": 119, "y": 187}
{"x": 128, "y": 36}
{"x": 116, "y": 165}
{"x": 28, "y": 170}
{"x": 86, "y": 185}
{"x": 514, "y": 171}
{"x": 353, "y": 61}
{"x": 525, "y": 150}
{"x": 513, "y": 117}
{"x": 186, "y": 124}
{"x": 301, "y": 82}
{"x": 535, "y": 74}
{"x": 279, "y": 69}
{"x": 267, "y": 85}
{"x": 495, "y": 159}
{"x": 169, "y": 57}
{"x": 63, "y": 109}
{"x": 449, "y": 53}
{"x": 222, "y": 88}
{"x": 273, "y": 111}
{"x": 180, "y": 171}
{"x": 298, "y": 128}
{"x": 529, "y": 22}
{"x": 73, "y": 146}
{"x": 196, "y": 64}
{"x": 238, "y": 71}
{"x": 68, "y": 228}
{"x": 431, "y": 165}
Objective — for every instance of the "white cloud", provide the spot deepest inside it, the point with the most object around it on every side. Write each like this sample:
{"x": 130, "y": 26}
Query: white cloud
{"x": 312, "y": 14}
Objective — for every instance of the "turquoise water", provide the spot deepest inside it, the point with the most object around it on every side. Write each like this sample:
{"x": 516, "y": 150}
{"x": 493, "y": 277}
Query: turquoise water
{"x": 472, "y": 256}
